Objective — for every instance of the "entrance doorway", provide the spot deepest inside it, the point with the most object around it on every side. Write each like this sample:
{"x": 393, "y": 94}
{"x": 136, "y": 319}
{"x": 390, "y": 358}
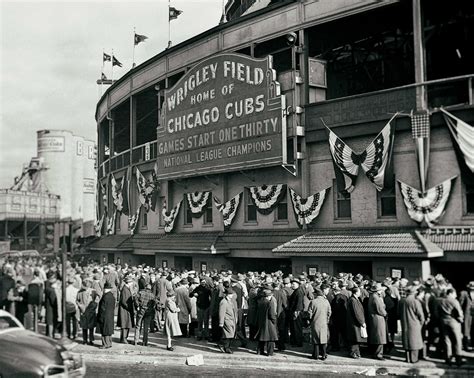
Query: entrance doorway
{"x": 183, "y": 262}
{"x": 458, "y": 273}
{"x": 354, "y": 267}
{"x": 243, "y": 265}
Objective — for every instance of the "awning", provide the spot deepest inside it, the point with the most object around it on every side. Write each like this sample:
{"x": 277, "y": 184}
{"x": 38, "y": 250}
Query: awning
{"x": 109, "y": 243}
{"x": 188, "y": 243}
{"x": 451, "y": 239}
{"x": 361, "y": 243}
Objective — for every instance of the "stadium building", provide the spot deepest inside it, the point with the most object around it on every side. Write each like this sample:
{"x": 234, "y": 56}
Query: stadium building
{"x": 328, "y": 135}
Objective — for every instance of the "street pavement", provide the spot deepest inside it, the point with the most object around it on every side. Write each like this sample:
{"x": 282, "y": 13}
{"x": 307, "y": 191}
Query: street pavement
{"x": 154, "y": 360}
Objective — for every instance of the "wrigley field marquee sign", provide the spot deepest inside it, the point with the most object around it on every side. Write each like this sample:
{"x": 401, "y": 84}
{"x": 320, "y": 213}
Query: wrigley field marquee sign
{"x": 224, "y": 114}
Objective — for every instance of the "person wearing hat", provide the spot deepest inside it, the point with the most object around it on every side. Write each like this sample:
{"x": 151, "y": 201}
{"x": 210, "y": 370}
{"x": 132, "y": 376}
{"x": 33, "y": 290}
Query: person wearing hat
{"x": 319, "y": 313}
{"x": 266, "y": 323}
{"x": 227, "y": 320}
{"x": 184, "y": 303}
{"x": 296, "y": 308}
{"x": 145, "y": 303}
{"x": 71, "y": 308}
{"x": 126, "y": 315}
{"x": 281, "y": 298}
{"x": 466, "y": 300}
{"x": 377, "y": 325}
{"x": 105, "y": 316}
{"x": 412, "y": 319}
{"x": 203, "y": 303}
{"x": 355, "y": 323}
{"x": 338, "y": 303}
{"x": 87, "y": 304}
{"x": 171, "y": 312}
{"x": 111, "y": 277}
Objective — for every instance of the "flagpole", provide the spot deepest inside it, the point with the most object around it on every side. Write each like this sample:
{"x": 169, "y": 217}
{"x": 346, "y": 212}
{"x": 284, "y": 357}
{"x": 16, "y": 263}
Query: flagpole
{"x": 112, "y": 65}
{"x": 169, "y": 24}
{"x": 133, "y": 56}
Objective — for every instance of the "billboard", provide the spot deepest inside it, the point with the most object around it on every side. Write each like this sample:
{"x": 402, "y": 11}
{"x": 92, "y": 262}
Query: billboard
{"x": 225, "y": 114}
{"x": 51, "y": 144}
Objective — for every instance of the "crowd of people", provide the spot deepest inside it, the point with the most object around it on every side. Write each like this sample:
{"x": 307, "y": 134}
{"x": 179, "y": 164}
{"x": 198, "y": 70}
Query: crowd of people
{"x": 339, "y": 312}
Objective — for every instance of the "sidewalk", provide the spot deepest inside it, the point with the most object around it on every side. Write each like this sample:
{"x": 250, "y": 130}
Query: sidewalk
{"x": 295, "y": 359}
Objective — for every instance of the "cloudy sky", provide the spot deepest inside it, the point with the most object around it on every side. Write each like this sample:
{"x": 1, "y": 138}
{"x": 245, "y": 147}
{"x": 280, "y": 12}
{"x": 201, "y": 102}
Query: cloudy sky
{"x": 51, "y": 57}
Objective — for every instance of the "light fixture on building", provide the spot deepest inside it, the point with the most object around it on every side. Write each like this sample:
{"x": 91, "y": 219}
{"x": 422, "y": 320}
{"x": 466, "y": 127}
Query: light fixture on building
{"x": 298, "y": 109}
{"x": 291, "y": 38}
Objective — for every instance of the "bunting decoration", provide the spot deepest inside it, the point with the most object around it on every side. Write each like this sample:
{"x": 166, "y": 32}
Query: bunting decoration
{"x": 145, "y": 190}
{"x": 197, "y": 202}
{"x": 125, "y": 191}
{"x": 420, "y": 127}
{"x": 111, "y": 224}
{"x": 133, "y": 220}
{"x": 104, "y": 196}
{"x": 98, "y": 226}
{"x": 156, "y": 186}
{"x": 428, "y": 206}
{"x": 375, "y": 160}
{"x": 116, "y": 193}
{"x": 266, "y": 197}
{"x": 463, "y": 136}
{"x": 307, "y": 209}
{"x": 170, "y": 217}
{"x": 228, "y": 209}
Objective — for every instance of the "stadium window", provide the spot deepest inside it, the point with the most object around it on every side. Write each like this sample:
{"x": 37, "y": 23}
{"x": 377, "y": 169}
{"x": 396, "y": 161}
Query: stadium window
{"x": 208, "y": 211}
{"x": 188, "y": 215}
{"x": 250, "y": 209}
{"x": 469, "y": 199}
{"x": 343, "y": 204}
{"x": 282, "y": 209}
{"x": 386, "y": 203}
{"x": 117, "y": 221}
{"x": 144, "y": 216}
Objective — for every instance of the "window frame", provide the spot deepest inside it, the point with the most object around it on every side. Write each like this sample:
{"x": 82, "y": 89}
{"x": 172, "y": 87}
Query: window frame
{"x": 383, "y": 195}
{"x": 337, "y": 196}
{"x": 467, "y": 190}
{"x": 249, "y": 203}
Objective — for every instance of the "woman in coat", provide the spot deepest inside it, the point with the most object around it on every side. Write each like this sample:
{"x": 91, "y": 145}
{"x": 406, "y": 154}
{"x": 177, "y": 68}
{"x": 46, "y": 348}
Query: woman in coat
{"x": 172, "y": 327}
{"x": 319, "y": 313}
{"x": 87, "y": 305}
{"x": 227, "y": 320}
{"x": 105, "y": 316}
{"x": 355, "y": 321}
{"x": 267, "y": 332}
{"x": 412, "y": 319}
{"x": 376, "y": 322}
{"x": 126, "y": 316}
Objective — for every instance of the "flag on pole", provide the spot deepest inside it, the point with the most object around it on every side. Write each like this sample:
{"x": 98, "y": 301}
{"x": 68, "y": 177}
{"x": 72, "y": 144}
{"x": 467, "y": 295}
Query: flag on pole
{"x": 156, "y": 186}
{"x": 125, "y": 191}
{"x": 174, "y": 13}
{"x": 103, "y": 77}
{"x": 115, "y": 62}
{"x": 139, "y": 38}
{"x": 463, "y": 136}
{"x": 420, "y": 127}
{"x": 106, "y": 58}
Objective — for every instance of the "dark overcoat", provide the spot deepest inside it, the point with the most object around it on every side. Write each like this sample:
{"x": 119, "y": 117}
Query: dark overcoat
{"x": 412, "y": 319}
{"x": 467, "y": 305}
{"x": 267, "y": 320}
{"x": 253, "y": 305}
{"x": 105, "y": 315}
{"x": 377, "y": 326}
{"x": 355, "y": 319}
{"x": 319, "y": 313}
{"x": 50, "y": 304}
{"x": 87, "y": 308}
{"x": 126, "y": 318}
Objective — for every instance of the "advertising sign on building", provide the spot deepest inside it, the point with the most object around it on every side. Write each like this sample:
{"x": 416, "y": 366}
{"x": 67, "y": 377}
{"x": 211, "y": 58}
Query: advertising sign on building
{"x": 51, "y": 144}
{"x": 224, "y": 114}
{"x": 89, "y": 186}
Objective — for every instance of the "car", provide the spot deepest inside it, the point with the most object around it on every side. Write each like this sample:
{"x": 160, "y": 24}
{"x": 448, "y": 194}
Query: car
{"x": 28, "y": 354}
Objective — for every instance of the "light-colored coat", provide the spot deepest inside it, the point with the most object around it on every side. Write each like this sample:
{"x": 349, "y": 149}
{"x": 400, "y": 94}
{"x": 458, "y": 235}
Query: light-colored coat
{"x": 377, "y": 325}
{"x": 171, "y": 318}
{"x": 412, "y": 319}
{"x": 228, "y": 318}
{"x": 87, "y": 308}
{"x": 319, "y": 313}
{"x": 184, "y": 304}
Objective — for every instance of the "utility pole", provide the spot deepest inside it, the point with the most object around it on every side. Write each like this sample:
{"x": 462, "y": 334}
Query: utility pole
{"x": 63, "y": 281}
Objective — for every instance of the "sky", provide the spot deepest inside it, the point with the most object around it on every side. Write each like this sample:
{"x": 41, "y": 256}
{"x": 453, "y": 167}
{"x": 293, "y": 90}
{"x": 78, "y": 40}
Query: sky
{"x": 51, "y": 58}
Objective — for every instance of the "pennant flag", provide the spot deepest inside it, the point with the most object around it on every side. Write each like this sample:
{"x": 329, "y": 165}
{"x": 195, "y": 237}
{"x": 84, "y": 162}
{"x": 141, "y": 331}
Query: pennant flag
{"x": 428, "y": 206}
{"x": 139, "y": 38}
{"x": 197, "y": 202}
{"x": 174, "y": 13}
{"x": 228, "y": 209}
{"x": 104, "y": 196}
{"x": 420, "y": 127}
{"x": 106, "y": 57}
{"x": 375, "y": 160}
{"x": 307, "y": 209}
{"x": 170, "y": 217}
{"x": 111, "y": 224}
{"x": 103, "y": 77}
{"x": 116, "y": 193}
{"x": 125, "y": 190}
{"x": 156, "y": 186}
{"x": 98, "y": 226}
{"x": 133, "y": 220}
{"x": 145, "y": 190}
{"x": 463, "y": 136}
{"x": 115, "y": 62}
{"x": 266, "y": 197}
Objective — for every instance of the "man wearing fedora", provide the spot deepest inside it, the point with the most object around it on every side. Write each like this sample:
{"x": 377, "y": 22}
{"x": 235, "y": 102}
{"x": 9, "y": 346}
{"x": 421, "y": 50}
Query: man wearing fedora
{"x": 105, "y": 316}
{"x": 227, "y": 320}
{"x": 466, "y": 299}
{"x": 126, "y": 316}
{"x": 296, "y": 306}
{"x": 267, "y": 323}
{"x": 412, "y": 319}
{"x": 377, "y": 325}
{"x": 184, "y": 303}
{"x": 451, "y": 318}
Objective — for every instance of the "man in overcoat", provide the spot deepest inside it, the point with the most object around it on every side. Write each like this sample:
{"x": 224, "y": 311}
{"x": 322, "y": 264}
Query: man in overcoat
{"x": 412, "y": 319}
{"x": 319, "y": 314}
{"x": 466, "y": 300}
{"x": 87, "y": 305}
{"x": 227, "y": 320}
{"x": 184, "y": 303}
{"x": 105, "y": 316}
{"x": 355, "y": 321}
{"x": 451, "y": 318}
{"x": 267, "y": 323}
{"x": 126, "y": 316}
{"x": 296, "y": 307}
{"x": 281, "y": 298}
{"x": 377, "y": 325}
